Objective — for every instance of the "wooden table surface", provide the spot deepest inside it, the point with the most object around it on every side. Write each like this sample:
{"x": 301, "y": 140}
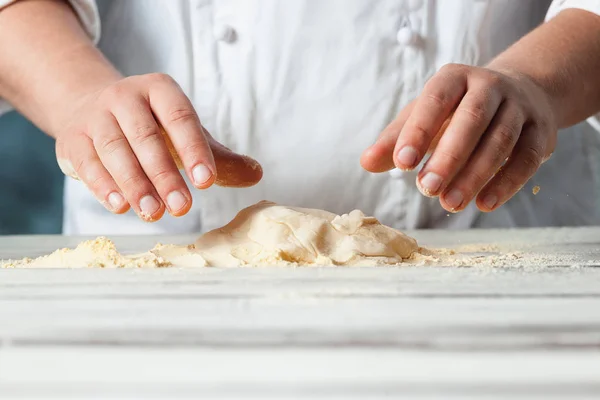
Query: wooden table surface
{"x": 306, "y": 333}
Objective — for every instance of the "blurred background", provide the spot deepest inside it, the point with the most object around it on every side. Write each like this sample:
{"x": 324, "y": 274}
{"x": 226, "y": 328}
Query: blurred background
{"x": 31, "y": 184}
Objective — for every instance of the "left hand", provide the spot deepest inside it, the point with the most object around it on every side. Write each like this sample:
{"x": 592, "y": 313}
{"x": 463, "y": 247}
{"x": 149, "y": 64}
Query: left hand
{"x": 495, "y": 128}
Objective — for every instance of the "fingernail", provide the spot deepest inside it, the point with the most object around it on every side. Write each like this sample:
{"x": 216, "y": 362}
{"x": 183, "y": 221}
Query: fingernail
{"x": 431, "y": 183}
{"x": 176, "y": 200}
{"x": 115, "y": 200}
{"x": 454, "y": 199}
{"x": 490, "y": 201}
{"x": 201, "y": 174}
{"x": 407, "y": 157}
{"x": 148, "y": 206}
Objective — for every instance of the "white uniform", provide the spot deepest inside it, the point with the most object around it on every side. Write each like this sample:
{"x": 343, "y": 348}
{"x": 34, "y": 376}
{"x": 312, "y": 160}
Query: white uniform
{"x": 304, "y": 86}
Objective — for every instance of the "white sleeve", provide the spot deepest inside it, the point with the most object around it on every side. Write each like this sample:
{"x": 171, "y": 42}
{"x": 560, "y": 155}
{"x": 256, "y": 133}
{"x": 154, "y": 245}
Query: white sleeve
{"x": 87, "y": 12}
{"x": 588, "y": 5}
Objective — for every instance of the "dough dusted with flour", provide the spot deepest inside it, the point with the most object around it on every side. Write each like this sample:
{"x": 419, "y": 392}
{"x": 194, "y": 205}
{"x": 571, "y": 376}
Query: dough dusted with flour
{"x": 265, "y": 234}
{"x": 270, "y": 234}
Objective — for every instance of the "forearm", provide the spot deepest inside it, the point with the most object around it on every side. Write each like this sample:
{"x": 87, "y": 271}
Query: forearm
{"x": 563, "y": 58}
{"x": 48, "y": 62}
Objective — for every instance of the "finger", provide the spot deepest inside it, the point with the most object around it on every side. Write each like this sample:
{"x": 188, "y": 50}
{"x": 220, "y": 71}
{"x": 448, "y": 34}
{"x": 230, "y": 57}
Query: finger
{"x": 525, "y": 160}
{"x": 380, "y": 156}
{"x": 117, "y": 156}
{"x": 145, "y": 138}
{"x": 87, "y": 167}
{"x": 440, "y": 97}
{"x": 234, "y": 170}
{"x": 177, "y": 116}
{"x": 495, "y": 147}
{"x": 469, "y": 122}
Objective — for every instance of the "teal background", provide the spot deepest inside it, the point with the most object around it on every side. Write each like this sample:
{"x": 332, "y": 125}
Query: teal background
{"x": 31, "y": 184}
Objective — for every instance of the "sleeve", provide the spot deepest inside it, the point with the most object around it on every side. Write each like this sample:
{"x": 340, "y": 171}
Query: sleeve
{"x": 588, "y": 5}
{"x": 86, "y": 11}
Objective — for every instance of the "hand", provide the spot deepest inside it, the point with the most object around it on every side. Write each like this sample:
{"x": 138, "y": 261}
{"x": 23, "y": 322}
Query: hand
{"x": 117, "y": 146}
{"x": 495, "y": 128}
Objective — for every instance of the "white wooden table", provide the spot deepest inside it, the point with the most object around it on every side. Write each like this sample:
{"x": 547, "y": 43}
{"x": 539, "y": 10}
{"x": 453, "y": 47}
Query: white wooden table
{"x": 306, "y": 333}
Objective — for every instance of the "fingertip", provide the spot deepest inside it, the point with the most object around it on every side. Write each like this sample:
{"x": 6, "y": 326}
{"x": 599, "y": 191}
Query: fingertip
{"x": 178, "y": 202}
{"x": 429, "y": 184}
{"x": 234, "y": 170}
{"x": 256, "y": 168}
{"x": 120, "y": 209}
{"x": 377, "y": 159}
{"x": 150, "y": 209}
{"x": 407, "y": 158}
{"x": 203, "y": 176}
{"x": 124, "y": 209}
{"x": 182, "y": 211}
{"x": 152, "y": 218}
{"x": 453, "y": 200}
{"x": 487, "y": 202}
{"x": 366, "y": 160}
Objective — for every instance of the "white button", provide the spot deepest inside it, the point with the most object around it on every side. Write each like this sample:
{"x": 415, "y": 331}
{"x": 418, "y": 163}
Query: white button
{"x": 414, "y": 5}
{"x": 224, "y": 33}
{"x": 407, "y": 37}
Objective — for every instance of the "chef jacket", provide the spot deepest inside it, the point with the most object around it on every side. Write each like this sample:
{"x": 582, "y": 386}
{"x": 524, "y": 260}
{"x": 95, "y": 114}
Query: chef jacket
{"x": 304, "y": 86}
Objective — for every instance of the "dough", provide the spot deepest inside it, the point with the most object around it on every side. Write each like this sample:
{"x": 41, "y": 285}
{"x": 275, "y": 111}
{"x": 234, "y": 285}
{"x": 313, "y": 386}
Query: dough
{"x": 265, "y": 234}
{"x": 270, "y": 234}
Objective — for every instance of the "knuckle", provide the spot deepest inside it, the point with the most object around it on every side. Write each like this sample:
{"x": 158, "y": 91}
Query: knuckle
{"x": 494, "y": 81}
{"x": 418, "y": 133}
{"x": 159, "y": 77}
{"x": 182, "y": 114}
{"x": 195, "y": 149}
{"x": 477, "y": 178}
{"x": 476, "y": 112}
{"x": 162, "y": 176}
{"x": 439, "y": 98}
{"x": 453, "y": 68}
{"x": 505, "y": 137}
{"x": 98, "y": 182}
{"x": 510, "y": 180}
{"x": 450, "y": 159}
{"x": 114, "y": 92}
{"x": 531, "y": 158}
{"x": 110, "y": 143}
{"x": 136, "y": 184}
{"x": 145, "y": 132}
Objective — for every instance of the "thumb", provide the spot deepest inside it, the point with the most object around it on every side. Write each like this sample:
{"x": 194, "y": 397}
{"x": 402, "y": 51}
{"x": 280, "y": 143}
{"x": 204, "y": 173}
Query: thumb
{"x": 234, "y": 170}
{"x": 380, "y": 156}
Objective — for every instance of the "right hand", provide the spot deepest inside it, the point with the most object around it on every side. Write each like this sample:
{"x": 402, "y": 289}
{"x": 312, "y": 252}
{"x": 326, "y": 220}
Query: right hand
{"x": 117, "y": 146}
